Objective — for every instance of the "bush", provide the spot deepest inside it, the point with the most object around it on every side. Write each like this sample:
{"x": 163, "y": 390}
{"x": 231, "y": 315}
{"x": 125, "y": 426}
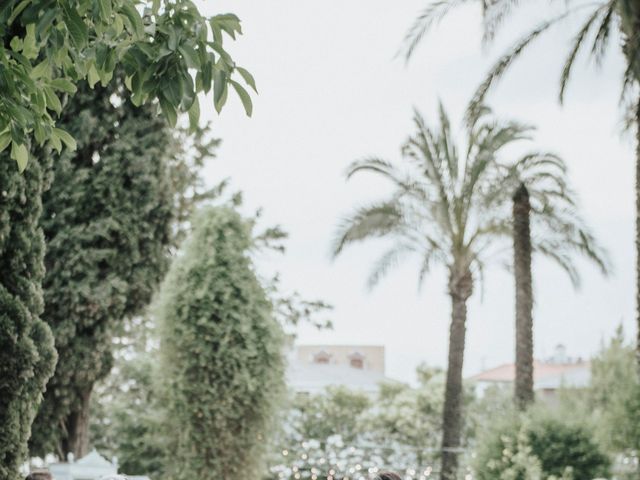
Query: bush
{"x": 539, "y": 445}
{"x": 221, "y": 367}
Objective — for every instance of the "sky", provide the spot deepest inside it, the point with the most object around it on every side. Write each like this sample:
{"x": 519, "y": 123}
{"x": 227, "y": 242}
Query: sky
{"x": 331, "y": 90}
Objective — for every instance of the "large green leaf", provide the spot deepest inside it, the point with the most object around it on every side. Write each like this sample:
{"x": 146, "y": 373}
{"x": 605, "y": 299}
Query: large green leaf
{"x": 75, "y": 25}
{"x": 244, "y": 97}
{"x": 194, "y": 114}
{"x": 20, "y": 154}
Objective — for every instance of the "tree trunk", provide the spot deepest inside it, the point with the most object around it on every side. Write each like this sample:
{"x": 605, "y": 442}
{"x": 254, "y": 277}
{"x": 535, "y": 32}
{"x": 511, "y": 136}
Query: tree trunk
{"x": 77, "y": 427}
{"x": 638, "y": 236}
{"x": 460, "y": 289}
{"x": 524, "y": 298}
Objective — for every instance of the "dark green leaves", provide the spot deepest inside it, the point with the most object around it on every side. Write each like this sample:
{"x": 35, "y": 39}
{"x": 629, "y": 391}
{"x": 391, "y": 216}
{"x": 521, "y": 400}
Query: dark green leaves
{"x": 75, "y": 25}
{"x": 135, "y": 20}
{"x": 105, "y": 9}
{"x": 63, "y": 85}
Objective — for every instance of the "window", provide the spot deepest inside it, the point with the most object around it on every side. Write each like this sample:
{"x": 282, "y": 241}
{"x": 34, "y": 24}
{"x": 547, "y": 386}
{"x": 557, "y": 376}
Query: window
{"x": 356, "y": 360}
{"x": 321, "y": 358}
{"x": 357, "y": 363}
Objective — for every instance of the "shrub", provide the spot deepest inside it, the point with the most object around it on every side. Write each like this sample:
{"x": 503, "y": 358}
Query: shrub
{"x": 221, "y": 367}
{"x": 539, "y": 445}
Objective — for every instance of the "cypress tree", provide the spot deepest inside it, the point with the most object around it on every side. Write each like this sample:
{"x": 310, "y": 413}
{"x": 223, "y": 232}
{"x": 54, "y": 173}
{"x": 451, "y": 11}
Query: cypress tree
{"x": 107, "y": 220}
{"x": 221, "y": 366}
{"x": 27, "y": 355}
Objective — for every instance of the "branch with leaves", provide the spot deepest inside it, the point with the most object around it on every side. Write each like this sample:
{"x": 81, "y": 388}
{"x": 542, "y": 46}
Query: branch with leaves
{"x": 168, "y": 50}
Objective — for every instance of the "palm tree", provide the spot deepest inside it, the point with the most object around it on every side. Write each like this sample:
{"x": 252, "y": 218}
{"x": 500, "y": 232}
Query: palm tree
{"x": 542, "y": 202}
{"x": 448, "y": 207}
{"x": 604, "y": 19}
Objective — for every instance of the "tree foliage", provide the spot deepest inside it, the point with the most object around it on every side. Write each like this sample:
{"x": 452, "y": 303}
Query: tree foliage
{"x": 335, "y": 412}
{"x": 169, "y": 52}
{"x": 221, "y": 369}
{"x": 539, "y": 445}
{"x": 126, "y": 420}
{"x": 110, "y": 221}
{"x": 27, "y": 354}
{"x": 614, "y": 396}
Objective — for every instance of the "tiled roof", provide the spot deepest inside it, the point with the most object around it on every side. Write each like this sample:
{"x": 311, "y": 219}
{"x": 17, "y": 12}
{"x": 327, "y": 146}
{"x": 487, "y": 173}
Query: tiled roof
{"x": 544, "y": 373}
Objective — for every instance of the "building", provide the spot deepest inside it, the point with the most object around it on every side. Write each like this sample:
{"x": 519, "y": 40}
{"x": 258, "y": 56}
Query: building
{"x": 313, "y": 368}
{"x": 548, "y": 375}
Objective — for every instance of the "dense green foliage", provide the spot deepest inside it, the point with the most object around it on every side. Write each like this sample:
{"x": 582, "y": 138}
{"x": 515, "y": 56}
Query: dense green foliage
{"x": 109, "y": 221}
{"x": 27, "y": 355}
{"x": 50, "y": 46}
{"x": 336, "y": 412}
{"x": 126, "y": 421}
{"x": 611, "y": 404}
{"x": 221, "y": 371}
{"x": 539, "y": 443}
{"x": 410, "y": 417}
{"x": 614, "y": 396}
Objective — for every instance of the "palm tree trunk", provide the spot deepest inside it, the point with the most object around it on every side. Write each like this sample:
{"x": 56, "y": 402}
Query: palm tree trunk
{"x": 638, "y": 235}
{"x": 460, "y": 289}
{"x": 524, "y": 298}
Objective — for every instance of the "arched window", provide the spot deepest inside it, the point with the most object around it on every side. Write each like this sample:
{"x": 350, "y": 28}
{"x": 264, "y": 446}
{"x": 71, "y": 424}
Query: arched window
{"x": 357, "y": 363}
{"x": 356, "y": 360}
{"x": 322, "y": 357}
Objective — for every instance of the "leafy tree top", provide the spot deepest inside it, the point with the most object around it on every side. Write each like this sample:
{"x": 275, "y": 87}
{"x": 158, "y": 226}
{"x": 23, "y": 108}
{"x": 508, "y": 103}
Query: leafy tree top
{"x": 451, "y": 201}
{"x": 169, "y": 53}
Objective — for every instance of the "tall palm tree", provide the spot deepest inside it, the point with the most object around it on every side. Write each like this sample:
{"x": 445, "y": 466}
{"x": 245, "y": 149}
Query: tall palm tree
{"x": 603, "y": 20}
{"x": 542, "y": 203}
{"x": 448, "y": 207}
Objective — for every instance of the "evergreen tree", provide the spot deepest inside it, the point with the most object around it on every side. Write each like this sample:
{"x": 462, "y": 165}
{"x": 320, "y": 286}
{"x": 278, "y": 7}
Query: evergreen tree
{"x": 221, "y": 368}
{"x": 108, "y": 221}
{"x": 27, "y": 355}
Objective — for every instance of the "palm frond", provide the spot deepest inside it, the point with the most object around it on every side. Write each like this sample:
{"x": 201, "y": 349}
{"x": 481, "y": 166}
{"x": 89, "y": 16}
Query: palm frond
{"x": 448, "y": 147}
{"x": 601, "y": 40}
{"x": 631, "y": 76}
{"x": 424, "y": 148}
{"x": 373, "y": 164}
{"x": 376, "y": 220}
{"x": 504, "y": 63}
{"x": 562, "y": 259}
{"x": 390, "y": 259}
{"x": 427, "y": 18}
{"x": 562, "y": 230}
{"x": 494, "y": 16}
{"x": 425, "y": 268}
{"x": 578, "y": 43}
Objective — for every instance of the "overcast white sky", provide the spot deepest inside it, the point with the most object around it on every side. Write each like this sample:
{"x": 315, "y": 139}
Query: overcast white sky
{"x": 331, "y": 92}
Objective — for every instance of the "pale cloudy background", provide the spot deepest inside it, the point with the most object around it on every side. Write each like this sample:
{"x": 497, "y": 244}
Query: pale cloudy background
{"x": 331, "y": 92}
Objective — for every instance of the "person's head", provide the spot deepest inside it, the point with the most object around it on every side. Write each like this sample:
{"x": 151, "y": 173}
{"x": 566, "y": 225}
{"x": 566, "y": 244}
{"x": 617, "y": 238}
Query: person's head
{"x": 39, "y": 475}
{"x": 388, "y": 476}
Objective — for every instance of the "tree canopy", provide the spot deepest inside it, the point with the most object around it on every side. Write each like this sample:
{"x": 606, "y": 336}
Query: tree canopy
{"x": 109, "y": 221}
{"x": 27, "y": 354}
{"x": 168, "y": 50}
